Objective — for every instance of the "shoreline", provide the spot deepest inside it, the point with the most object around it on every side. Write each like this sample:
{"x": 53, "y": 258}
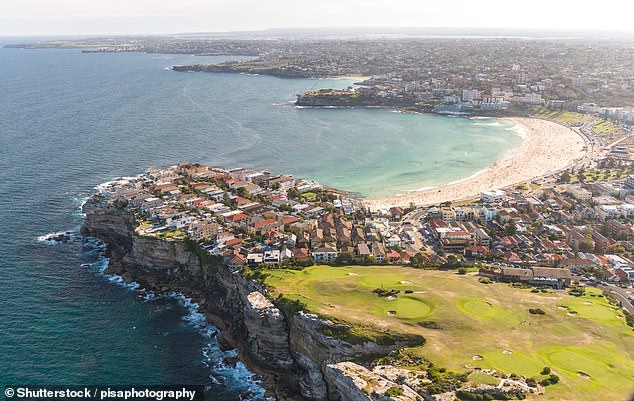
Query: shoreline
{"x": 547, "y": 148}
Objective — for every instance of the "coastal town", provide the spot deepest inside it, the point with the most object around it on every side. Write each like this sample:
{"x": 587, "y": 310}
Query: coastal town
{"x": 255, "y": 218}
{"x": 486, "y": 77}
{"x": 573, "y": 238}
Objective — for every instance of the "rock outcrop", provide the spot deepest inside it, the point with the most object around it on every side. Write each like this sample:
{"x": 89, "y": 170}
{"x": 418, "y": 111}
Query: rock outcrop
{"x": 357, "y": 383}
{"x": 292, "y": 353}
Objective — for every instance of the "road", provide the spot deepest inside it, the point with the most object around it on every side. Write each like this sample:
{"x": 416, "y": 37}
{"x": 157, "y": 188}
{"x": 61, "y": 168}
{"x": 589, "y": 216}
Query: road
{"x": 621, "y": 294}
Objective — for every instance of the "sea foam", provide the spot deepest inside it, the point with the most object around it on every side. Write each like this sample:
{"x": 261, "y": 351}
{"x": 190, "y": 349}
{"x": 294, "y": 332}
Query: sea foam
{"x": 234, "y": 377}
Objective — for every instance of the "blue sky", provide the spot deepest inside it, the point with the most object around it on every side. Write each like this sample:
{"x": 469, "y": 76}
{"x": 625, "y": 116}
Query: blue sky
{"x": 67, "y": 17}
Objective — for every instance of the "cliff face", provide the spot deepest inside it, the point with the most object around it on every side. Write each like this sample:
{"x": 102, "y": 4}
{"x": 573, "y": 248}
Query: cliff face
{"x": 291, "y": 352}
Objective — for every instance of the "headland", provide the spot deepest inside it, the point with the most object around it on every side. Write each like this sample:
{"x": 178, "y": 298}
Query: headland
{"x": 244, "y": 244}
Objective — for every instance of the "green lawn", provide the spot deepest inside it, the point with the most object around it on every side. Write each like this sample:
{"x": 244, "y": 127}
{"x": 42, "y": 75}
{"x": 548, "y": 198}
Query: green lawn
{"x": 601, "y": 174}
{"x": 476, "y": 320}
{"x": 604, "y": 127}
{"x": 563, "y": 117}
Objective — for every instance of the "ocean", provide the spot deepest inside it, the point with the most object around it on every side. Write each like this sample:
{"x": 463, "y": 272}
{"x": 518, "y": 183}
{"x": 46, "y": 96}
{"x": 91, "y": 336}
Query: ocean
{"x": 69, "y": 121}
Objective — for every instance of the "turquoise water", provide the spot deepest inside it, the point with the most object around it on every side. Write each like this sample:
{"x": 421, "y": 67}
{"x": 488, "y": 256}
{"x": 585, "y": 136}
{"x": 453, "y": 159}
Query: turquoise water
{"x": 69, "y": 121}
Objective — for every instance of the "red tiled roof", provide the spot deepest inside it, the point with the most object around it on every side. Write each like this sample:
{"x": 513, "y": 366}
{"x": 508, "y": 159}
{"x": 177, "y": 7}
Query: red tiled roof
{"x": 238, "y": 217}
{"x": 232, "y": 242}
{"x": 263, "y": 223}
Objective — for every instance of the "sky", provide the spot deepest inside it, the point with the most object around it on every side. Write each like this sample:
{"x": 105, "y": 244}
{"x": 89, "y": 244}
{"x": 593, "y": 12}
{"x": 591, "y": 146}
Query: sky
{"x": 94, "y": 17}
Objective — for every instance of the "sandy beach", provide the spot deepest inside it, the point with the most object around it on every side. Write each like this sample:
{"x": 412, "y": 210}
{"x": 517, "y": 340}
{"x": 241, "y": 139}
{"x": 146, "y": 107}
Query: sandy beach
{"x": 547, "y": 147}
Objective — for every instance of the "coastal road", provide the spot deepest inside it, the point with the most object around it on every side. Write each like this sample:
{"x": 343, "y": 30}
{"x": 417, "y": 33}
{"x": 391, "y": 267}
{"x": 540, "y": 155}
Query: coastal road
{"x": 621, "y": 294}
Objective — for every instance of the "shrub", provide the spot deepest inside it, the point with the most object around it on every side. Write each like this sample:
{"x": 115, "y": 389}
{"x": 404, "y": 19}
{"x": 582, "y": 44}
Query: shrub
{"x": 546, "y": 370}
{"x": 462, "y": 271}
{"x": 290, "y": 306}
{"x": 394, "y": 392}
{"x": 551, "y": 379}
{"x": 472, "y": 396}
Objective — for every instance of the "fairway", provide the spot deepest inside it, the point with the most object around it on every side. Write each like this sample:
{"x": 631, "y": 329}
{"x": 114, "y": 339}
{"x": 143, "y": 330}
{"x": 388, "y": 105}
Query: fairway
{"x": 469, "y": 324}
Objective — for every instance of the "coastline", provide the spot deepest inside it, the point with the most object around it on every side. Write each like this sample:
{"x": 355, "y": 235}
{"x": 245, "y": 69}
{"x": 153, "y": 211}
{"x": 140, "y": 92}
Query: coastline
{"x": 547, "y": 148}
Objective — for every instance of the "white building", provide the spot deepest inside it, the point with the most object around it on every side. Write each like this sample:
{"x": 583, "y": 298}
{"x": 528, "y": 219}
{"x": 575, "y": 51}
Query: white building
{"x": 580, "y": 193}
{"x": 324, "y": 254}
{"x": 533, "y": 99}
{"x": 493, "y": 196}
{"x": 469, "y": 95}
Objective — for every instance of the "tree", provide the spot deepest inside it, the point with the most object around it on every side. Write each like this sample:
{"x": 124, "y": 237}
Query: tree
{"x": 242, "y": 191}
{"x": 565, "y": 177}
{"x": 510, "y": 228}
{"x": 293, "y": 193}
{"x": 344, "y": 258}
{"x": 304, "y": 262}
{"x": 586, "y": 246}
{"x": 417, "y": 260}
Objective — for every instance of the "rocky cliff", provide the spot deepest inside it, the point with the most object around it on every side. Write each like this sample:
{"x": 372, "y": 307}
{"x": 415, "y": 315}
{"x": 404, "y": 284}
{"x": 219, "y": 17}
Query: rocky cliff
{"x": 292, "y": 353}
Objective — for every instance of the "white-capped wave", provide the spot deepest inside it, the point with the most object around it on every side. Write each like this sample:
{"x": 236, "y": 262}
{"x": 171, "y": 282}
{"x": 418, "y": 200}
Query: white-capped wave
{"x": 520, "y": 130}
{"x": 234, "y": 376}
{"x": 60, "y": 237}
{"x": 493, "y": 124}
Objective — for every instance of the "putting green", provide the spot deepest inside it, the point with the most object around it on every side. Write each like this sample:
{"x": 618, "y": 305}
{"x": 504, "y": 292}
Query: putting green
{"x": 477, "y": 308}
{"x": 406, "y": 307}
{"x": 513, "y": 362}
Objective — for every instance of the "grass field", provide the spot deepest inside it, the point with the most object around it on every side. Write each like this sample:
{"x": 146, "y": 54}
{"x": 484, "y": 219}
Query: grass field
{"x": 601, "y": 174}
{"x": 604, "y": 127}
{"x": 577, "y": 334}
{"x": 563, "y": 117}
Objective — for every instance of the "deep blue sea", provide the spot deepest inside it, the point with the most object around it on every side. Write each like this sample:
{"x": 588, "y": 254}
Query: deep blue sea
{"x": 69, "y": 121}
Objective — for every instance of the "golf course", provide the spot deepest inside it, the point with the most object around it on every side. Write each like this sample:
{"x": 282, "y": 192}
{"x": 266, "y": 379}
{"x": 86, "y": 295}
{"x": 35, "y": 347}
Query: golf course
{"x": 584, "y": 339}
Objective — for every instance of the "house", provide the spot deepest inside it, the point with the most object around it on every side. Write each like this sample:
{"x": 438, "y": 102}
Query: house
{"x": 324, "y": 254}
{"x": 363, "y": 250}
{"x": 205, "y": 230}
{"x": 393, "y": 257}
{"x": 266, "y": 225}
{"x": 240, "y": 219}
{"x": 378, "y": 251}
{"x": 271, "y": 257}
{"x": 456, "y": 240}
{"x": 579, "y": 264}
{"x": 481, "y": 237}
{"x": 476, "y": 251}
{"x": 301, "y": 253}
{"x": 149, "y": 203}
{"x": 254, "y": 259}
{"x": 625, "y": 274}
{"x": 286, "y": 255}
{"x": 236, "y": 261}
